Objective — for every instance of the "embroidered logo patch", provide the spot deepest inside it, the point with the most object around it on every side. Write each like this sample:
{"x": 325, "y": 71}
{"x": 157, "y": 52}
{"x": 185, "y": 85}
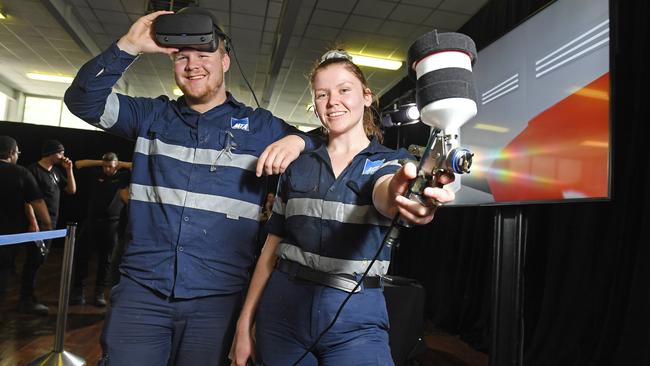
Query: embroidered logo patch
{"x": 239, "y": 124}
{"x": 370, "y": 167}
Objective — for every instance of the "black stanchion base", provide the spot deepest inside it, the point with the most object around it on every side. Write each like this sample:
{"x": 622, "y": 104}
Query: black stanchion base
{"x": 64, "y": 358}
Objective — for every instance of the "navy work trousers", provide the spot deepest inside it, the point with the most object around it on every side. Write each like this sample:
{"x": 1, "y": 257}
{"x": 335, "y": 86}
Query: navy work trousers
{"x": 100, "y": 236}
{"x": 144, "y": 328}
{"x": 292, "y": 313}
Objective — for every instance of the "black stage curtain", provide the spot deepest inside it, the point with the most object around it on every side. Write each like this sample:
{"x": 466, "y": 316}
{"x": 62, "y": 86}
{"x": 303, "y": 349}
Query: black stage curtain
{"x": 587, "y": 272}
{"x": 79, "y": 144}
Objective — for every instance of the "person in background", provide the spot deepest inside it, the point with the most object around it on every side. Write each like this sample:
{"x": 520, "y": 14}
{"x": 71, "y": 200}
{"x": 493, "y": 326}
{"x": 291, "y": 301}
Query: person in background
{"x": 195, "y": 199}
{"x": 268, "y": 207}
{"x": 22, "y": 203}
{"x": 100, "y": 230}
{"x": 333, "y": 208}
{"x": 51, "y": 182}
{"x": 118, "y": 251}
{"x": 267, "y": 210}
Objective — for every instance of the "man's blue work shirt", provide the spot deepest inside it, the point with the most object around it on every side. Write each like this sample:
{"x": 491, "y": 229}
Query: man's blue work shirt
{"x": 195, "y": 200}
{"x": 329, "y": 223}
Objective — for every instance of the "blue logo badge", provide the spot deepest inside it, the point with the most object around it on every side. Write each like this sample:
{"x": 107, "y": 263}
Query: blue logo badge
{"x": 370, "y": 167}
{"x": 239, "y": 124}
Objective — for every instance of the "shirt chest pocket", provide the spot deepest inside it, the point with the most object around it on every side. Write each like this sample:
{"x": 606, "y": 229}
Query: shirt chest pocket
{"x": 361, "y": 188}
{"x": 245, "y": 142}
{"x": 232, "y": 149}
{"x": 164, "y": 147}
{"x": 302, "y": 184}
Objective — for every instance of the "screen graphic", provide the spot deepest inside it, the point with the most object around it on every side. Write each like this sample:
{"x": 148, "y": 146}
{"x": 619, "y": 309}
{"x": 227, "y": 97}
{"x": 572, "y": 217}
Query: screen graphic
{"x": 542, "y": 133}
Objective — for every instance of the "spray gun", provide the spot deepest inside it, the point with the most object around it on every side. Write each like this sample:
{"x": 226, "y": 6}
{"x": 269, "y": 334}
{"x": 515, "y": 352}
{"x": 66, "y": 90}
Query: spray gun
{"x": 441, "y": 63}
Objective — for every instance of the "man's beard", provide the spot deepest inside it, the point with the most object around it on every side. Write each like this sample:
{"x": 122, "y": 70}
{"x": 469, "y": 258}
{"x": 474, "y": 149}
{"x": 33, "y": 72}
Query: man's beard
{"x": 204, "y": 95}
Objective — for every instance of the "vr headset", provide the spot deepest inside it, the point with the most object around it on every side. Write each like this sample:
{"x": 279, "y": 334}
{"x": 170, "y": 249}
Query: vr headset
{"x": 190, "y": 28}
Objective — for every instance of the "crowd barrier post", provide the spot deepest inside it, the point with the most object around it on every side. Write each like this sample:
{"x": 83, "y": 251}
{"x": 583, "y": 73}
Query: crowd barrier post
{"x": 59, "y": 356}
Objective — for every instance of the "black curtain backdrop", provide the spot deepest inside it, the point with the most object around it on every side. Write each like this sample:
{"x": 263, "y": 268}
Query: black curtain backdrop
{"x": 587, "y": 269}
{"x": 79, "y": 144}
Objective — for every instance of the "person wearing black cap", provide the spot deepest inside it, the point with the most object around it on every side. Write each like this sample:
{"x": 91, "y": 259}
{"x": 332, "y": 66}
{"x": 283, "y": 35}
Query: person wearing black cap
{"x": 195, "y": 199}
{"x": 21, "y": 199}
{"x": 100, "y": 229}
{"x": 51, "y": 181}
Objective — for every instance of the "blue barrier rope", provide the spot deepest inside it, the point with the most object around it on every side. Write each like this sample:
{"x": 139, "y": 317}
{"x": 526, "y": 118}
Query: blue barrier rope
{"x": 28, "y": 237}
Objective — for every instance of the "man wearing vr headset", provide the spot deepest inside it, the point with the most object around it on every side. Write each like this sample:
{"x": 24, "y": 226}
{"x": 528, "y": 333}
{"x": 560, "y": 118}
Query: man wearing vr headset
{"x": 195, "y": 201}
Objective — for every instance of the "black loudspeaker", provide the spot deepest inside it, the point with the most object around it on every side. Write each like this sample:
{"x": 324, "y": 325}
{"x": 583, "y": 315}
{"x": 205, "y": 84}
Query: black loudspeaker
{"x": 405, "y": 304}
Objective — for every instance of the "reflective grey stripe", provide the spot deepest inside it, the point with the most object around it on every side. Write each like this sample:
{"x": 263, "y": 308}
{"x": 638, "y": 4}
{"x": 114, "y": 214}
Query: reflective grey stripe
{"x": 278, "y": 206}
{"x": 337, "y": 211}
{"x": 201, "y": 201}
{"x": 328, "y": 264}
{"x": 111, "y": 112}
{"x": 196, "y": 156}
{"x": 132, "y": 62}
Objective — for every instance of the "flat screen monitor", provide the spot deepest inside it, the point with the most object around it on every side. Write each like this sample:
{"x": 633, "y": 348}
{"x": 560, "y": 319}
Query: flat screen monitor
{"x": 542, "y": 132}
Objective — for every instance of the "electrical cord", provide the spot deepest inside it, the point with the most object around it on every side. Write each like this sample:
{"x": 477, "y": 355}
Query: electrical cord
{"x": 394, "y": 226}
{"x": 232, "y": 47}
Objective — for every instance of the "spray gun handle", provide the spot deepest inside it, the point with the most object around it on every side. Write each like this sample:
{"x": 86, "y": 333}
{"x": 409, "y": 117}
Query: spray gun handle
{"x": 428, "y": 174}
{"x": 437, "y": 159}
{"x": 416, "y": 191}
